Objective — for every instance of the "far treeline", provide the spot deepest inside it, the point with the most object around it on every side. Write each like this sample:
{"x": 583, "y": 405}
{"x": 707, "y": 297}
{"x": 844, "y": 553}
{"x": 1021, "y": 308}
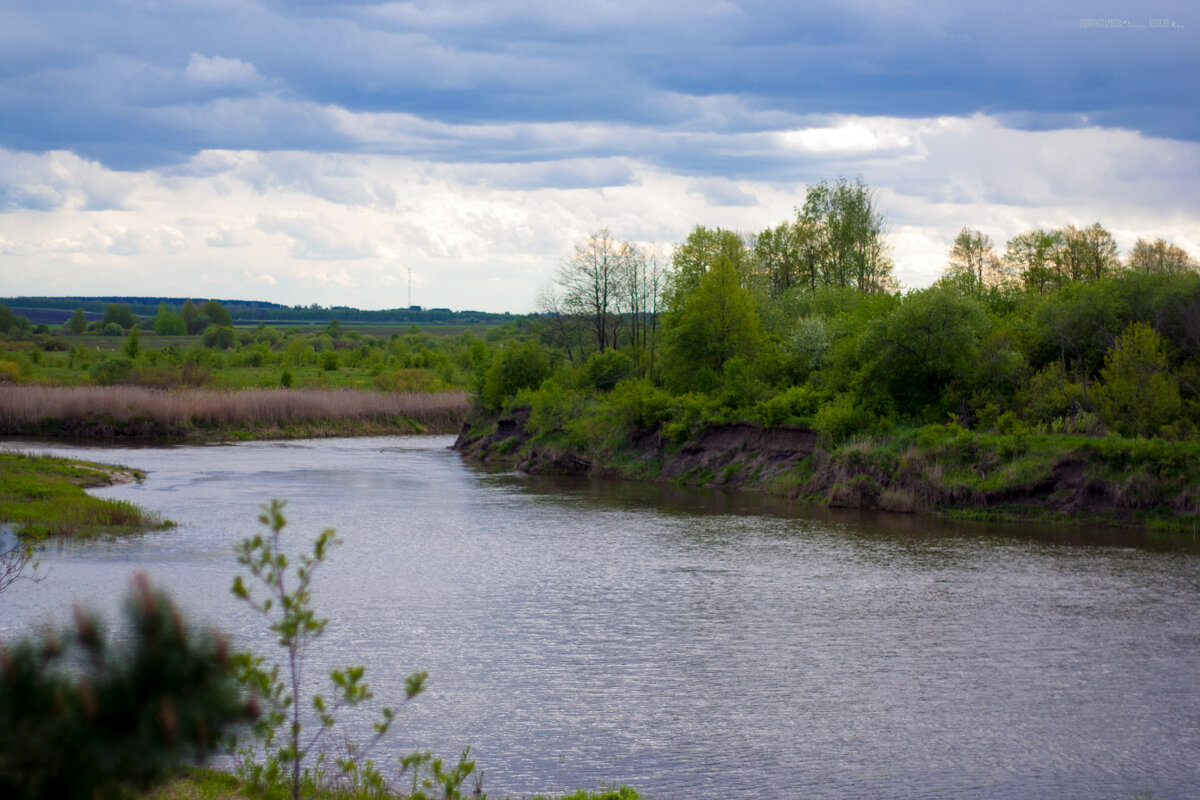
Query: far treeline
{"x": 56, "y": 309}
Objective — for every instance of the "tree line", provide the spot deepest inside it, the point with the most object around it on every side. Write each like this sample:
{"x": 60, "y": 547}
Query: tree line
{"x": 804, "y": 321}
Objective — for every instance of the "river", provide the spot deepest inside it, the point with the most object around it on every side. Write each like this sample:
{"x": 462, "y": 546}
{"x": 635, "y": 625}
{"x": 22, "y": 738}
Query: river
{"x": 690, "y": 644}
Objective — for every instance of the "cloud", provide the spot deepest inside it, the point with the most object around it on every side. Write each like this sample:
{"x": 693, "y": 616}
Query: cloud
{"x": 212, "y": 71}
{"x": 722, "y": 193}
{"x": 315, "y": 238}
{"x": 146, "y": 85}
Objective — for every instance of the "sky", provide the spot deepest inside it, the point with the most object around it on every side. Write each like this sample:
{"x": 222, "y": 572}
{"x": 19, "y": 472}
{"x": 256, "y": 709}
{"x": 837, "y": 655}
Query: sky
{"x": 361, "y": 153}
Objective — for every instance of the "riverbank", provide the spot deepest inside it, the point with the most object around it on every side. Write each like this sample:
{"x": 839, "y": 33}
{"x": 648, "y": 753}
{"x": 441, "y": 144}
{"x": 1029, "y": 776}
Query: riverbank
{"x": 211, "y": 784}
{"x": 197, "y": 415}
{"x": 935, "y": 469}
{"x": 44, "y": 496}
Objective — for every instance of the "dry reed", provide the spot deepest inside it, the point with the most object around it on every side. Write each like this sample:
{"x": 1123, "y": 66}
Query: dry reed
{"x": 26, "y": 409}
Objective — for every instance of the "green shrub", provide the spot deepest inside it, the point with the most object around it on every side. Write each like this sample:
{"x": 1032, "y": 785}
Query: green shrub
{"x": 840, "y": 418}
{"x": 112, "y": 370}
{"x": 605, "y": 370}
{"x": 83, "y": 717}
{"x": 520, "y": 366}
{"x": 640, "y": 404}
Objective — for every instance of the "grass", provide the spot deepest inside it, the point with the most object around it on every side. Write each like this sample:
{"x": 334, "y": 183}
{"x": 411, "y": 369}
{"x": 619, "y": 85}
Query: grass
{"x": 210, "y": 784}
{"x": 133, "y": 411}
{"x": 44, "y": 496}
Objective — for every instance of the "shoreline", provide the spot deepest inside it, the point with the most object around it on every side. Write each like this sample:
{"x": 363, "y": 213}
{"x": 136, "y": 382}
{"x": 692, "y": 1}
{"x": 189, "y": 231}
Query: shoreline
{"x": 936, "y": 470}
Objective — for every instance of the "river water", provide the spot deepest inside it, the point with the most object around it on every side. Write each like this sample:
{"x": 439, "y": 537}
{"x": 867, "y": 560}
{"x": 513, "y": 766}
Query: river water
{"x": 690, "y": 644}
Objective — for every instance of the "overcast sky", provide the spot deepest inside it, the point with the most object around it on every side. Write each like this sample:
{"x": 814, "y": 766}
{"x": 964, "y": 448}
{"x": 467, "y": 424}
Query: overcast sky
{"x": 316, "y": 152}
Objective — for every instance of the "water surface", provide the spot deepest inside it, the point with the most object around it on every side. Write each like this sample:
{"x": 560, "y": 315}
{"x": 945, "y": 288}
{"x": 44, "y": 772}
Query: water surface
{"x": 690, "y": 644}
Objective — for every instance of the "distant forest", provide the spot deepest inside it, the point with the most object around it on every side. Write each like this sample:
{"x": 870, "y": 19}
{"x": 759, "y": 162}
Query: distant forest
{"x": 56, "y": 310}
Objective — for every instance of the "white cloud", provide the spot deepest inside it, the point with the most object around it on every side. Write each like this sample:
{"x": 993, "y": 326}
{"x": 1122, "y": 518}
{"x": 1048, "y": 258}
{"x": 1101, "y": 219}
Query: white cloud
{"x": 219, "y": 71}
{"x": 300, "y": 227}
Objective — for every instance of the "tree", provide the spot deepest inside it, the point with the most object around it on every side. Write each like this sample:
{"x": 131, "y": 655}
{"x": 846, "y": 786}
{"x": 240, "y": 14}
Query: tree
{"x": 119, "y": 313}
{"x": 696, "y": 255}
{"x": 1089, "y": 254}
{"x": 77, "y": 324}
{"x": 82, "y": 717}
{"x": 850, "y": 244}
{"x": 189, "y": 312}
{"x": 591, "y": 282}
{"x": 1160, "y": 256}
{"x": 168, "y": 323}
{"x": 217, "y": 313}
{"x": 788, "y": 255}
{"x": 1137, "y": 392}
{"x": 133, "y": 344}
{"x": 716, "y": 323}
{"x": 973, "y": 258}
{"x": 925, "y": 347}
{"x": 1034, "y": 256}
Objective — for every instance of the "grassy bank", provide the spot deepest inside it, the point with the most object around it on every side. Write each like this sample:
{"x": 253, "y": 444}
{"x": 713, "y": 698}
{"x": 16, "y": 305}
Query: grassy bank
{"x": 938, "y": 469}
{"x": 111, "y": 412}
{"x": 44, "y": 496}
{"x": 209, "y": 784}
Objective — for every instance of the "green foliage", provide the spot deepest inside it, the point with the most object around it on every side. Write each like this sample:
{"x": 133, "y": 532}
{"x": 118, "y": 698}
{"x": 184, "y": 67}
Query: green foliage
{"x": 1137, "y": 393}
{"x": 167, "y": 323}
{"x": 520, "y": 366}
{"x": 133, "y": 344}
{"x": 925, "y": 349}
{"x": 286, "y": 379}
{"x": 216, "y": 313}
{"x": 112, "y": 370}
{"x": 329, "y": 360}
{"x": 605, "y": 370}
{"x": 840, "y": 418}
{"x": 716, "y": 322}
{"x": 640, "y": 405}
{"x": 119, "y": 314}
{"x": 82, "y": 717}
{"x": 77, "y": 324}
{"x": 282, "y": 752}
{"x": 112, "y": 329}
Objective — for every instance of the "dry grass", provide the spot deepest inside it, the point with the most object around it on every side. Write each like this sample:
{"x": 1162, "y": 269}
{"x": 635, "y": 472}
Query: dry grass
{"x": 130, "y": 409}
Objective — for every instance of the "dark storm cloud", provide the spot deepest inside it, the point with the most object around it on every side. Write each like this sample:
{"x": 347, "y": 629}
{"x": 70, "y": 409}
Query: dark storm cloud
{"x": 684, "y": 85}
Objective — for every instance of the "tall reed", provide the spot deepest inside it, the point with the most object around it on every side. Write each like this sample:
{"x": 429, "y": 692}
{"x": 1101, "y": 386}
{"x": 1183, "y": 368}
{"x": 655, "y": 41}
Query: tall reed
{"x": 47, "y": 409}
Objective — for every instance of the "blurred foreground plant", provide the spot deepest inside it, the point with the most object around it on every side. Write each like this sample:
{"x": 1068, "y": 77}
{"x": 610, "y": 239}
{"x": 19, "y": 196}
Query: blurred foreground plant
{"x": 82, "y": 717}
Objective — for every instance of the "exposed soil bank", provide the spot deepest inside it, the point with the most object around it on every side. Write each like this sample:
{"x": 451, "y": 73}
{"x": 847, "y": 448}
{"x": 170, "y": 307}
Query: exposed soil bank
{"x": 940, "y": 469}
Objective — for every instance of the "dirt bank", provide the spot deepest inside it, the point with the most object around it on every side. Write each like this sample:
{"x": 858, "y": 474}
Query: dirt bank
{"x": 947, "y": 471}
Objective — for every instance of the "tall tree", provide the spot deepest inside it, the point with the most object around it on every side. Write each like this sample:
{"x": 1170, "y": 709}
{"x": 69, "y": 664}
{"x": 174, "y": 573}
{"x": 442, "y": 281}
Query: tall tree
{"x": 1160, "y": 256}
{"x": 973, "y": 258}
{"x": 853, "y": 251}
{"x": 77, "y": 324}
{"x": 697, "y": 254}
{"x": 716, "y": 322}
{"x": 591, "y": 282}
{"x": 1090, "y": 253}
{"x": 1034, "y": 256}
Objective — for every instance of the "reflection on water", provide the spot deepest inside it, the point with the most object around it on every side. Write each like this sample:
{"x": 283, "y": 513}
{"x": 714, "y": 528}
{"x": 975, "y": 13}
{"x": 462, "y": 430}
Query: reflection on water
{"x": 692, "y": 643}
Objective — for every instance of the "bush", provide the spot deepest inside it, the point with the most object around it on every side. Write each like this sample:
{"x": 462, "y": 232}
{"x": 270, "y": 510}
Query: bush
{"x": 112, "y": 329}
{"x": 640, "y": 405}
{"x": 840, "y": 418}
{"x": 81, "y": 717}
{"x": 605, "y": 370}
{"x": 112, "y": 370}
{"x": 521, "y": 366}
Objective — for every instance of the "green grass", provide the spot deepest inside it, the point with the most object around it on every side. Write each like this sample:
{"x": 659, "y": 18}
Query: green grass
{"x": 210, "y": 784}
{"x": 44, "y": 496}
